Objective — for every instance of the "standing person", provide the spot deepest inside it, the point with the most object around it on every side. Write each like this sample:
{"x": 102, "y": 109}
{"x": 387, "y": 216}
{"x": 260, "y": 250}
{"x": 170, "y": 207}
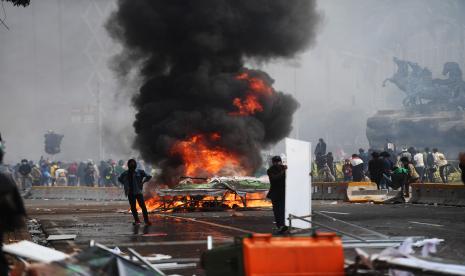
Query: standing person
{"x": 441, "y": 162}
{"x": 430, "y": 165}
{"x": 90, "y": 174}
{"x": 36, "y": 175}
{"x": 365, "y": 158}
{"x": 108, "y": 174}
{"x": 462, "y": 165}
{"x": 347, "y": 170}
{"x": 419, "y": 163}
{"x": 114, "y": 175}
{"x": 405, "y": 153}
{"x": 12, "y": 211}
{"x": 330, "y": 162}
{"x": 133, "y": 181}
{"x": 357, "y": 168}
{"x": 375, "y": 169}
{"x": 73, "y": 174}
{"x": 277, "y": 193}
{"x": 81, "y": 173}
{"x": 25, "y": 170}
{"x": 320, "y": 149}
{"x": 53, "y": 169}
{"x": 61, "y": 175}
{"x": 388, "y": 166}
{"x": 102, "y": 168}
{"x": 46, "y": 177}
{"x": 412, "y": 175}
{"x": 119, "y": 169}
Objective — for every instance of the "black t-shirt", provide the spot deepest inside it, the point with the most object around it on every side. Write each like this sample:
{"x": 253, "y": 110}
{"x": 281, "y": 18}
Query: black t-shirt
{"x": 277, "y": 176}
{"x": 12, "y": 211}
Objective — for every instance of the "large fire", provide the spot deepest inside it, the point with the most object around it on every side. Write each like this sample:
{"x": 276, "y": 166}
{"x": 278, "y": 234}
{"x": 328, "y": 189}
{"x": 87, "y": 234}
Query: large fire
{"x": 251, "y": 103}
{"x": 201, "y": 153}
{"x": 201, "y": 157}
{"x": 189, "y": 203}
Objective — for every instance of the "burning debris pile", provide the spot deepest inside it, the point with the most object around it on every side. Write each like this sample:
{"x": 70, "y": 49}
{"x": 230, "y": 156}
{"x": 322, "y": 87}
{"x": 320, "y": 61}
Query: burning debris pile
{"x": 200, "y": 111}
{"x": 218, "y": 194}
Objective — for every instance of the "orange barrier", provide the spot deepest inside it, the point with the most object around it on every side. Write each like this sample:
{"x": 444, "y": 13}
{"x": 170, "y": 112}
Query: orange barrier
{"x": 319, "y": 255}
{"x": 359, "y": 192}
{"x": 264, "y": 254}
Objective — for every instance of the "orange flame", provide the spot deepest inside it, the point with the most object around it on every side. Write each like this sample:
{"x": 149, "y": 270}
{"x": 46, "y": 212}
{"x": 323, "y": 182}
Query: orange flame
{"x": 201, "y": 158}
{"x": 255, "y": 84}
{"x": 251, "y": 104}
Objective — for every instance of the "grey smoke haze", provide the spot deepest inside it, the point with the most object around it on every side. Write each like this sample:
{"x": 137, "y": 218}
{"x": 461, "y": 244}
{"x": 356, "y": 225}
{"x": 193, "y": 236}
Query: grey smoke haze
{"x": 48, "y": 62}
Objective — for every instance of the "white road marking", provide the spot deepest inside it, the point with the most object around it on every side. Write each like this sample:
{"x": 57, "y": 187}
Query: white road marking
{"x": 337, "y": 213}
{"x": 424, "y": 223}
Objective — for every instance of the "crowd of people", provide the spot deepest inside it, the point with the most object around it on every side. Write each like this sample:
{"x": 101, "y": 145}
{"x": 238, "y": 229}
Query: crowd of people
{"x": 28, "y": 173}
{"x": 387, "y": 167}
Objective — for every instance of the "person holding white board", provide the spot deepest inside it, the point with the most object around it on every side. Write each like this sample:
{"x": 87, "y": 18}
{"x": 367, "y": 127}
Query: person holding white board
{"x": 277, "y": 176}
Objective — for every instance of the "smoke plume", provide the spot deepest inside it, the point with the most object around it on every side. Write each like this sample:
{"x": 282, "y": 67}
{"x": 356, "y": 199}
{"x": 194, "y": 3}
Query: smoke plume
{"x": 197, "y": 97}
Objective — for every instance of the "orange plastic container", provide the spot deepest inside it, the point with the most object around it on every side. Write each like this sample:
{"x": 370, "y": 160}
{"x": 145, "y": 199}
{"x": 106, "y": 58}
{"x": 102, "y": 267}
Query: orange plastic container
{"x": 319, "y": 255}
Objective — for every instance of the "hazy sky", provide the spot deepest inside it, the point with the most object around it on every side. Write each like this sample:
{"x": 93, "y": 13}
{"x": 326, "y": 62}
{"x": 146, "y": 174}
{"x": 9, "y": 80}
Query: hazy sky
{"x": 54, "y": 64}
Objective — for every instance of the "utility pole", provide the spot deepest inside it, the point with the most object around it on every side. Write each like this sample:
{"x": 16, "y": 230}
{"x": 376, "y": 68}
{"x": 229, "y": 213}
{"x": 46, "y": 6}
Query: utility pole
{"x": 99, "y": 123}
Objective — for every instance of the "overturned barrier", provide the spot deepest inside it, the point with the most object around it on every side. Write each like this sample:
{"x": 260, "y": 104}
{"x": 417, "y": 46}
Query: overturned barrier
{"x": 442, "y": 194}
{"x": 77, "y": 193}
{"x": 351, "y": 192}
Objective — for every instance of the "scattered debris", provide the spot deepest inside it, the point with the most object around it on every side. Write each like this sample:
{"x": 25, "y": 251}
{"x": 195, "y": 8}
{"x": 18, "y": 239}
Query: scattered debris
{"x": 428, "y": 224}
{"x": 61, "y": 237}
{"x": 401, "y": 261}
{"x": 35, "y": 230}
{"x": 336, "y": 213}
{"x": 155, "y": 235}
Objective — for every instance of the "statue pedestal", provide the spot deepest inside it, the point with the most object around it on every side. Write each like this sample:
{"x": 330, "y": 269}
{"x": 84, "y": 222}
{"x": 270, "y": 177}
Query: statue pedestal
{"x": 419, "y": 128}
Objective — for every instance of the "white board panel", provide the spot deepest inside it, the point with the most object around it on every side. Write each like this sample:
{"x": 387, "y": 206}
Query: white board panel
{"x": 35, "y": 252}
{"x": 298, "y": 182}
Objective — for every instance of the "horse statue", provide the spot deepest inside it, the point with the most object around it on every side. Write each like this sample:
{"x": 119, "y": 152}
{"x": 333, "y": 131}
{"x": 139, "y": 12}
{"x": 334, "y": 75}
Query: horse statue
{"x": 417, "y": 83}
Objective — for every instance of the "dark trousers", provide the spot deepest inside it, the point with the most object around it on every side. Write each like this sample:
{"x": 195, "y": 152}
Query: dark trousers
{"x": 430, "y": 173}
{"x": 278, "y": 211}
{"x": 421, "y": 172}
{"x": 132, "y": 202}
{"x": 3, "y": 262}
{"x": 444, "y": 173}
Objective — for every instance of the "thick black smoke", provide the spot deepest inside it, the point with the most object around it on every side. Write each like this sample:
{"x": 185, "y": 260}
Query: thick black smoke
{"x": 189, "y": 54}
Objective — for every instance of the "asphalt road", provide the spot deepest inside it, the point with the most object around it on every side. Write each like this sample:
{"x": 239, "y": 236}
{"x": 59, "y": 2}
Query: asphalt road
{"x": 183, "y": 235}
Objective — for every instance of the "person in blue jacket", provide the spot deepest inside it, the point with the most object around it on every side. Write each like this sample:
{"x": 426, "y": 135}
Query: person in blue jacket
{"x": 133, "y": 181}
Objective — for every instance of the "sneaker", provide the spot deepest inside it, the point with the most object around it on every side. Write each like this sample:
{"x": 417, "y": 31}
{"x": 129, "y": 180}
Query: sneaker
{"x": 283, "y": 229}
{"x": 136, "y": 223}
